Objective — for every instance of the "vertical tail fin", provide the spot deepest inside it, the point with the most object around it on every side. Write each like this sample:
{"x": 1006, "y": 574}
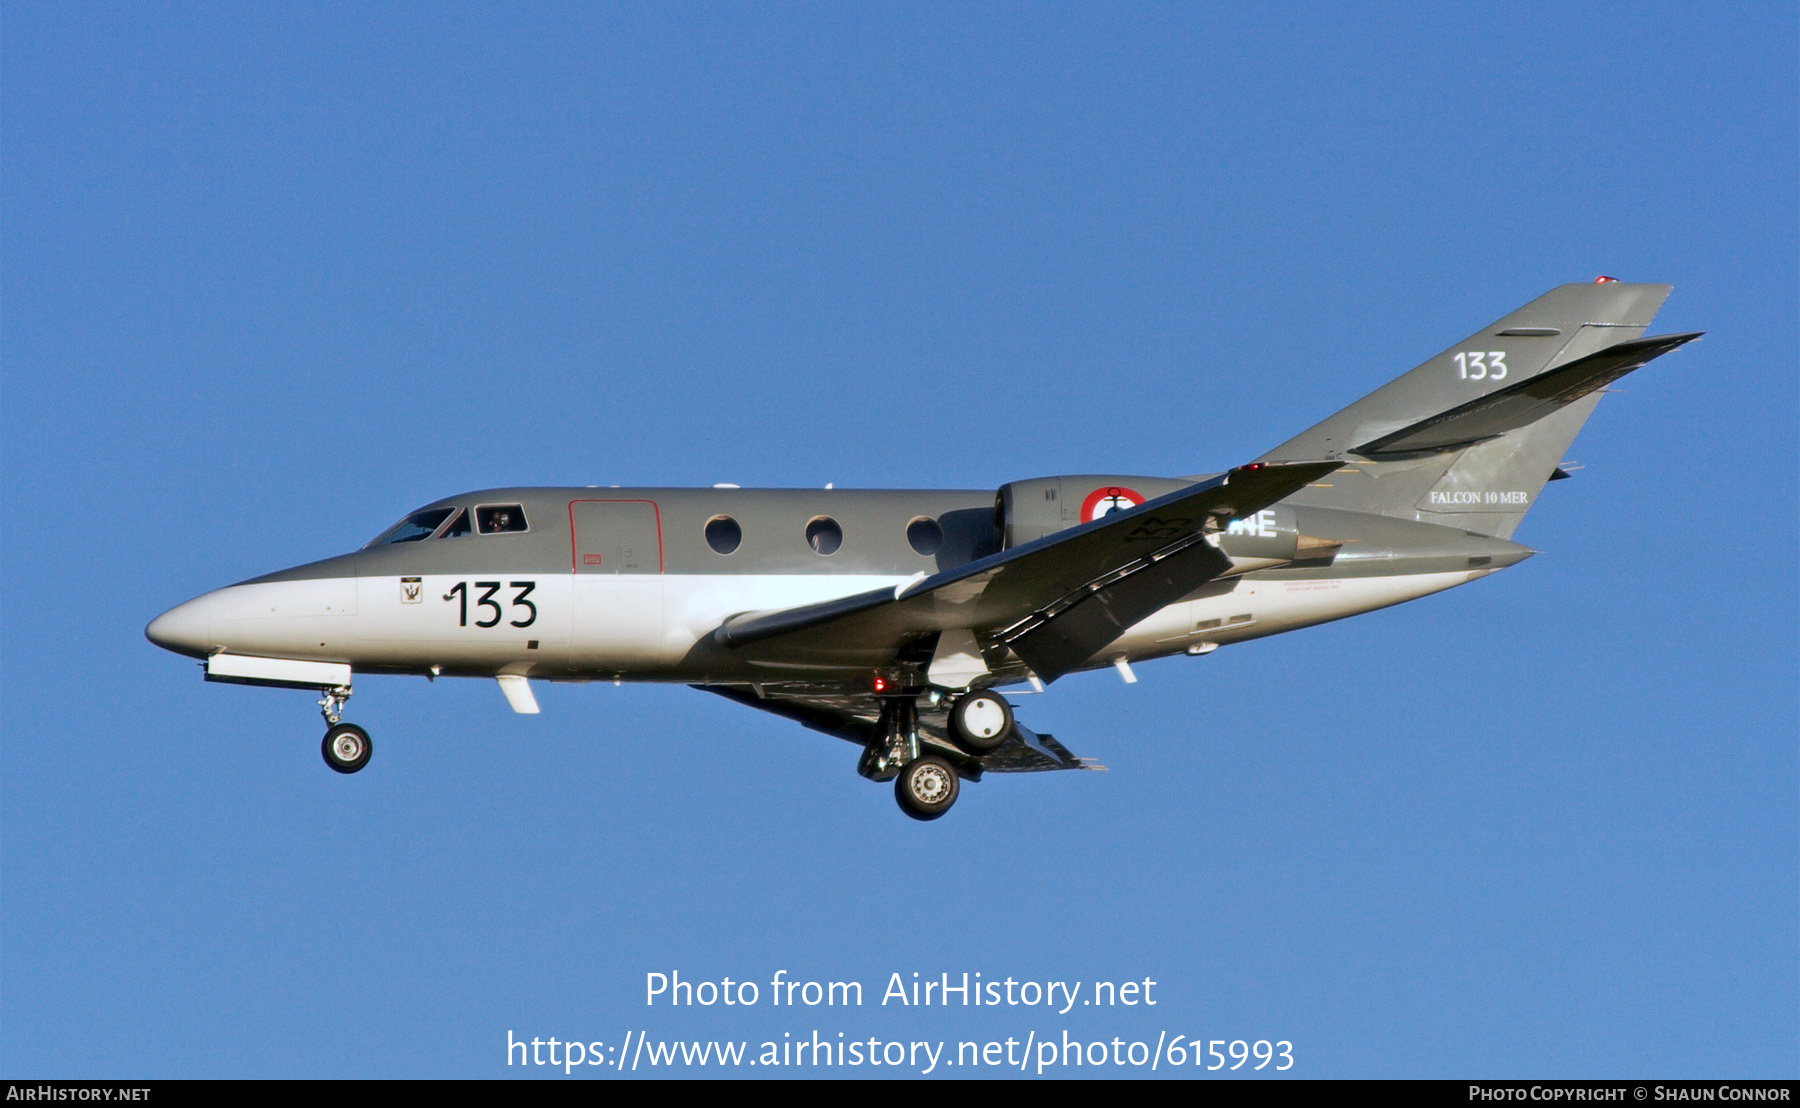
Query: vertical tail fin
{"x": 1486, "y": 485}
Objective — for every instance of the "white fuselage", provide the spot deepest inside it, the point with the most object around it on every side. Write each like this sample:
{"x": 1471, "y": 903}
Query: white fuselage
{"x": 645, "y": 626}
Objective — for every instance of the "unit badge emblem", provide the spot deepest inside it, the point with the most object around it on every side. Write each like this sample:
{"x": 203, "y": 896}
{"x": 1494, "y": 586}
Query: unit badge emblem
{"x": 1106, "y": 501}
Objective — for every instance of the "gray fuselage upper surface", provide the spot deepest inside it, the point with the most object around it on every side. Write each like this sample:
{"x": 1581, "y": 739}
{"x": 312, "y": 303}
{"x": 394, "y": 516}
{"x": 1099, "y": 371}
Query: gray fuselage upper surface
{"x": 773, "y": 523}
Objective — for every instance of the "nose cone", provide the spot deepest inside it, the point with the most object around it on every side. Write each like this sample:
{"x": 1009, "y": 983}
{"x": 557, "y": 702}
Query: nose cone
{"x": 181, "y": 629}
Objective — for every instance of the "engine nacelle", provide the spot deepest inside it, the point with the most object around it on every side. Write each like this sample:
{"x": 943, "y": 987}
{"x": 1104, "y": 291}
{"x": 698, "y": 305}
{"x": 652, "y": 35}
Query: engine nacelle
{"x": 1261, "y": 539}
{"x": 1027, "y": 510}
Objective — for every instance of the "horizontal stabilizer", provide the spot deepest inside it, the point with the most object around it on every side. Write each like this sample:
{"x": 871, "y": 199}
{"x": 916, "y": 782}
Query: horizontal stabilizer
{"x": 1526, "y": 402}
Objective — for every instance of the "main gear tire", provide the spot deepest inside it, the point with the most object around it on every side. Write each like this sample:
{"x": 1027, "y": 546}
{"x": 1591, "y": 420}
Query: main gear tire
{"x": 981, "y": 721}
{"x": 926, "y": 788}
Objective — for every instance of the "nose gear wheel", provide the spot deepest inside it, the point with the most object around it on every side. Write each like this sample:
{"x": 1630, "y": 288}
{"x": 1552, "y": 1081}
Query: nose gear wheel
{"x": 346, "y": 748}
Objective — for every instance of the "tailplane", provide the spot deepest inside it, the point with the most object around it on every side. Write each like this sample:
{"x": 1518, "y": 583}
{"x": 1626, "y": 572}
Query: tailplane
{"x": 1471, "y": 436}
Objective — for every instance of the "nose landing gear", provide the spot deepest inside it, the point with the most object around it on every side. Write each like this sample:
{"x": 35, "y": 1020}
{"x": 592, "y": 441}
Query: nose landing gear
{"x": 346, "y": 746}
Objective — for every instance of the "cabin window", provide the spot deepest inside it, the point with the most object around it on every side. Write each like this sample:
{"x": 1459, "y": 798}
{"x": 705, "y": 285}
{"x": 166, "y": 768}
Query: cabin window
{"x": 413, "y": 528}
{"x": 456, "y": 527}
{"x": 926, "y": 537}
{"x": 723, "y": 534}
{"x": 824, "y": 535}
{"x": 500, "y": 519}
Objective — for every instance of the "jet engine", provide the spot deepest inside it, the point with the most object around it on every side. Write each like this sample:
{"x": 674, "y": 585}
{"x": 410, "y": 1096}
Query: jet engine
{"x": 1028, "y": 510}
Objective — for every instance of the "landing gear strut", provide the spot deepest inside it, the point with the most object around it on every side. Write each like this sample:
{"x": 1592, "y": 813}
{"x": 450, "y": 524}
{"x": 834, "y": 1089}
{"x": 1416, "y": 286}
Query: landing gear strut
{"x": 924, "y": 784}
{"x": 898, "y": 743}
{"x": 331, "y": 702}
{"x": 346, "y": 746}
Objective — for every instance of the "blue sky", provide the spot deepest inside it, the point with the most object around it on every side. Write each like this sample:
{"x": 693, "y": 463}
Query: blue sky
{"x": 275, "y": 275}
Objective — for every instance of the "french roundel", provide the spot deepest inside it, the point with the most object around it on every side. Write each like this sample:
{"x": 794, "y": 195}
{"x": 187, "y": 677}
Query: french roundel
{"x": 1106, "y": 501}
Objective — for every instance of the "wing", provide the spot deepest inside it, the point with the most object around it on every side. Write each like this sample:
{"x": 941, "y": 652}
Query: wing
{"x": 856, "y": 717}
{"x": 1054, "y": 601}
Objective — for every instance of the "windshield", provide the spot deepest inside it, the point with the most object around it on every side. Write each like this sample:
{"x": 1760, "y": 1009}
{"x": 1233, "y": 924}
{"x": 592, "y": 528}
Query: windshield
{"x": 414, "y": 527}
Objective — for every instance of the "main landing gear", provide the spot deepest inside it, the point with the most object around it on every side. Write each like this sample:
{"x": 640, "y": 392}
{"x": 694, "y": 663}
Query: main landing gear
{"x": 926, "y": 785}
{"x": 981, "y": 721}
{"x": 346, "y": 746}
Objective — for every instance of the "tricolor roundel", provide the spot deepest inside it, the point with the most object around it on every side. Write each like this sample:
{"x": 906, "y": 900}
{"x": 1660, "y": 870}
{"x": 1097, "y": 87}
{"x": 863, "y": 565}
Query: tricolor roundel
{"x": 1106, "y": 501}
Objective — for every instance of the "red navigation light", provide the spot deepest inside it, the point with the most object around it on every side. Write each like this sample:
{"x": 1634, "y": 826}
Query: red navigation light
{"x": 880, "y": 684}
{"x": 1605, "y": 280}
{"x": 1254, "y": 466}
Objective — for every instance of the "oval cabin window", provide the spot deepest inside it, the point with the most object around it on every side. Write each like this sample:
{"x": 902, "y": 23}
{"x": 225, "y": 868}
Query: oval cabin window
{"x": 926, "y": 537}
{"x": 824, "y": 535}
{"x": 723, "y": 534}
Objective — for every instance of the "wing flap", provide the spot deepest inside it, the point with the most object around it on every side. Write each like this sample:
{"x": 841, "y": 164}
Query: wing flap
{"x": 1055, "y": 642}
{"x": 1029, "y": 752}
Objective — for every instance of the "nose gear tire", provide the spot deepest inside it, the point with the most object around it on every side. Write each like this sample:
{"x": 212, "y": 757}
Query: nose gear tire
{"x": 346, "y": 748}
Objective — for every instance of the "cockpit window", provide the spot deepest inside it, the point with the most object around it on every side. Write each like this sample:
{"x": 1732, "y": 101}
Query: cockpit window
{"x": 414, "y": 527}
{"x": 499, "y": 519}
{"x": 458, "y": 526}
